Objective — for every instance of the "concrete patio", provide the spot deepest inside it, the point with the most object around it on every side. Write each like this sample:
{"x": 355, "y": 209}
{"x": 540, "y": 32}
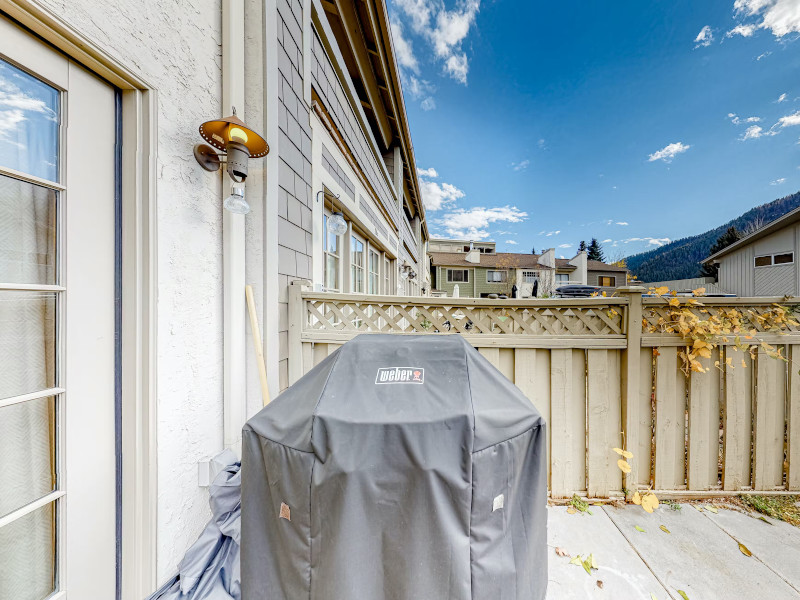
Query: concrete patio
{"x": 700, "y": 555}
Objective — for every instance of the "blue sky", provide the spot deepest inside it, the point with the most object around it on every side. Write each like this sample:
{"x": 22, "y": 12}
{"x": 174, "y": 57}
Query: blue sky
{"x": 542, "y": 124}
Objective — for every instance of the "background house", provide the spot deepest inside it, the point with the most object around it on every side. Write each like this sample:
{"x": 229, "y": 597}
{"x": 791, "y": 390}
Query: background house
{"x": 762, "y": 263}
{"x": 479, "y": 270}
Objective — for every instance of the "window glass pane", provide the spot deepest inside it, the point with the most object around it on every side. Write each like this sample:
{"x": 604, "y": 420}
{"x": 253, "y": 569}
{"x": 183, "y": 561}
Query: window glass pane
{"x": 27, "y": 556}
{"x": 331, "y": 272}
{"x": 29, "y": 119}
{"x": 27, "y": 231}
{"x": 357, "y": 248}
{"x": 27, "y": 452}
{"x": 763, "y": 261}
{"x": 782, "y": 259}
{"x": 27, "y": 342}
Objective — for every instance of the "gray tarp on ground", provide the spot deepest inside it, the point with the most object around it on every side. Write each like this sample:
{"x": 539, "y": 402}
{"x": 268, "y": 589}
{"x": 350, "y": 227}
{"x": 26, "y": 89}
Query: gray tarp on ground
{"x": 210, "y": 568}
{"x": 359, "y": 487}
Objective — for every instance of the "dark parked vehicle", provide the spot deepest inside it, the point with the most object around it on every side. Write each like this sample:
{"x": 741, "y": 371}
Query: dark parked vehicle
{"x": 576, "y": 291}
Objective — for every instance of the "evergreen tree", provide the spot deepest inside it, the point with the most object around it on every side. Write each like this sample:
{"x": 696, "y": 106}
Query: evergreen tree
{"x": 730, "y": 236}
{"x": 582, "y": 246}
{"x": 533, "y": 249}
{"x": 595, "y": 250}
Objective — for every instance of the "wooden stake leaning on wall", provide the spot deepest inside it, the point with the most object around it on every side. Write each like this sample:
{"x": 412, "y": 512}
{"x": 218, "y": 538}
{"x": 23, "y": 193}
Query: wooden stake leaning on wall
{"x": 262, "y": 368}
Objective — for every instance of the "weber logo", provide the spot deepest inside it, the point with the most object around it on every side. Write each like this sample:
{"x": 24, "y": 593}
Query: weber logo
{"x": 400, "y": 375}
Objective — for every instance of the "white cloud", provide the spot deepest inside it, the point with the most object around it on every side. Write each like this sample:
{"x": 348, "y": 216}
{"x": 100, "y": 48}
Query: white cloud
{"x": 512, "y": 242}
{"x": 542, "y": 144}
{"x": 549, "y": 233}
{"x": 668, "y": 152}
{"x": 521, "y": 165}
{"x": 650, "y": 240}
{"x": 778, "y": 181}
{"x": 781, "y": 17}
{"x": 782, "y": 97}
{"x": 428, "y": 172}
{"x": 437, "y": 196}
{"x": 473, "y": 223}
{"x": 763, "y": 55}
{"x": 621, "y": 223}
{"x": 742, "y": 30}
{"x": 789, "y": 120}
{"x": 736, "y": 120}
{"x": 565, "y": 245}
{"x": 428, "y": 104}
{"x": 457, "y": 67}
{"x": 402, "y": 48}
{"x": 445, "y": 30}
{"x": 704, "y": 38}
{"x": 606, "y": 241}
{"x": 754, "y": 132}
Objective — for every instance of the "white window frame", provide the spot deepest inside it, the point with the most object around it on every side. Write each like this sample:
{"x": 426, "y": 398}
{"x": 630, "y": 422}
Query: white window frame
{"x": 326, "y": 253}
{"x": 534, "y": 275}
{"x": 376, "y": 274}
{"x": 503, "y": 272}
{"x": 448, "y": 275}
{"x": 560, "y": 278}
{"x": 354, "y": 237}
{"x": 771, "y": 257}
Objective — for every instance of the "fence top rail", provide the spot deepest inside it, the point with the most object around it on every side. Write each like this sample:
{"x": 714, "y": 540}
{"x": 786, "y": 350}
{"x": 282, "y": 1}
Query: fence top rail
{"x": 454, "y": 302}
{"x": 755, "y": 301}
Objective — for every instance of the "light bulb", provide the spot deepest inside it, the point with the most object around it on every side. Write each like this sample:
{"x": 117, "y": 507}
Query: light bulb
{"x": 336, "y": 224}
{"x": 236, "y": 203}
{"x": 236, "y": 134}
{"x": 403, "y": 273}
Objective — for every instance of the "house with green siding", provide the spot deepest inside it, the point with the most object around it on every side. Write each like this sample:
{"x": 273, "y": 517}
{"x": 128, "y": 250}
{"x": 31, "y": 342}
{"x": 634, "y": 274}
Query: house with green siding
{"x": 479, "y": 273}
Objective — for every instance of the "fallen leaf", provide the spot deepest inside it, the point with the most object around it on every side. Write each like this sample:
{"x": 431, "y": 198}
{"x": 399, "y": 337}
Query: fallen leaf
{"x": 698, "y": 507}
{"x": 744, "y": 550}
{"x": 624, "y": 453}
{"x": 594, "y": 562}
{"x": 623, "y": 465}
{"x": 587, "y": 566}
{"x": 571, "y": 510}
{"x": 683, "y": 595}
{"x": 664, "y": 529}
{"x": 653, "y": 596}
{"x": 637, "y": 498}
{"x": 639, "y": 529}
{"x": 765, "y": 521}
{"x": 650, "y": 502}
{"x": 712, "y": 509}
{"x": 600, "y": 584}
{"x": 561, "y": 552}
{"x": 576, "y": 561}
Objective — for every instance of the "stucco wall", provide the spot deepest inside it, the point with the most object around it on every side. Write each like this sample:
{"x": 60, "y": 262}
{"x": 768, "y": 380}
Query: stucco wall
{"x": 186, "y": 72}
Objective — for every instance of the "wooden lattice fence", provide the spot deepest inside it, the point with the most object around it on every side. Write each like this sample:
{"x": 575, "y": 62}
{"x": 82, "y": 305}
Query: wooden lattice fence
{"x": 603, "y": 376}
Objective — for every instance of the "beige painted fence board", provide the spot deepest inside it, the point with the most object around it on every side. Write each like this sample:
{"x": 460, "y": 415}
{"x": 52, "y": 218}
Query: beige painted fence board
{"x": 604, "y": 401}
{"x": 532, "y": 377}
{"x": 643, "y": 448}
{"x": 703, "y": 457}
{"x": 506, "y": 363}
{"x": 568, "y": 422}
{"x": 793, "y": 453}
{"x": 320, "y": 352}
{"x": 670, "y": 421}
{"x": 492, "y": 355}
{"x": 736, "y": 422}
{"x": 769, "y": 422}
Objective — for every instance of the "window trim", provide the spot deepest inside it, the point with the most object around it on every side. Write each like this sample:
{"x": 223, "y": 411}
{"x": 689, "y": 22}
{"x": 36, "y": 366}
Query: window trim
{"x": 772, "y": 262}
{"x": 613, "y": 279}
{"x": 504, "y": 280}
{"x": 326, "y": 253}
{"x": 353, "y": 265}
{"x": 377, "y": 272}
{"x": 449, "y": 279}
{"x": 534, "y": 274}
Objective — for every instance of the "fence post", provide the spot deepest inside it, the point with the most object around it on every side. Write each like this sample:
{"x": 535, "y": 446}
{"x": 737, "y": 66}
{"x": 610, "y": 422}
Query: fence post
{"x": 297, "y": 318}
{"x": 631, "y": 369}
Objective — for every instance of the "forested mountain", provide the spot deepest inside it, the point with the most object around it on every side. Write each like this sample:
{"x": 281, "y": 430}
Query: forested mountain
{"x": 680, "y": 259}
